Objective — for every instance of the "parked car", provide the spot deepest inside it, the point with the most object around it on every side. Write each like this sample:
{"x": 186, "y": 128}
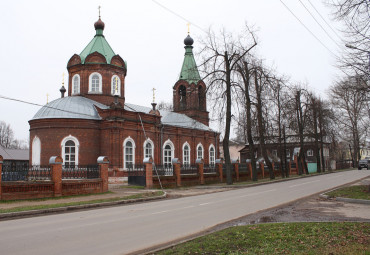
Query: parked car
{"x": 364, "y": 163}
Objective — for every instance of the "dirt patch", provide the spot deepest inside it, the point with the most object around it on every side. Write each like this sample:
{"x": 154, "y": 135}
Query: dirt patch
{"x": 312, "y": 209}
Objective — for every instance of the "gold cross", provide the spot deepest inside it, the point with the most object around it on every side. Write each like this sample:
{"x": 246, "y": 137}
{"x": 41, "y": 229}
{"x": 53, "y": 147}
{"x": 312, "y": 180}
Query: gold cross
{"x": 63, "y": 79}
{"x": 99, "y": 10}
{"x": 188, "y": 27}
{"x": 47, "y": 98}
{"x": 153, "y": 95}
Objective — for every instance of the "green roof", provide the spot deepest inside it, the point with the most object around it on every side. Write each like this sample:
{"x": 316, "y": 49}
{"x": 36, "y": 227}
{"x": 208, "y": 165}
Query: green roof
{"x": 189, "y": 70}
{"x": 99, "y": 44}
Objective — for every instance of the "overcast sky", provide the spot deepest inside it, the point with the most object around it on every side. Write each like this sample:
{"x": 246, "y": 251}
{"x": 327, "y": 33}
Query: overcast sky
{"x": 39, "y": 37}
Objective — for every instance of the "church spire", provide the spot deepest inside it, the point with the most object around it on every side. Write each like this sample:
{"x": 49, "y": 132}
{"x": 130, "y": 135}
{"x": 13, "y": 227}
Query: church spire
{"x": 189, "y": 70}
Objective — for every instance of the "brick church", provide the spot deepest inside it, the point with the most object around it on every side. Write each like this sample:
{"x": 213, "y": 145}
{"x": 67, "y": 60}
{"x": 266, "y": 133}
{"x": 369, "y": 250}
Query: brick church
{"x": 95, "y": 120}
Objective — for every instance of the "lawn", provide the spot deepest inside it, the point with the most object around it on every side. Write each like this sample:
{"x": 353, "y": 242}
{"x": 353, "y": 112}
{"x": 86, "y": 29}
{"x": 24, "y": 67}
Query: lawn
{"x": 96, "y": 201}
{"x": 282, "y": 238}
{"x": 356, "y": 192}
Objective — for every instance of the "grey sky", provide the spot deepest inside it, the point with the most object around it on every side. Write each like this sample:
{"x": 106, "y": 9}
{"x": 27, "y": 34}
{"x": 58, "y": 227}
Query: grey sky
{"x": 39, "y": 37}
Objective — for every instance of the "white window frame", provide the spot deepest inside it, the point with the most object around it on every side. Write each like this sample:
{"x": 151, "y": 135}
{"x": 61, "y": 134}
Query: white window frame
{"x": 309, "y": 153}
{"x": 128, "y": 139}
{"x": 74, "y": 92}
{"x": 148, "y": 141}
{"x": 100, "y": 83}
{"x": 77, "y": 149}
{"x": 200, "y": 146}
{"x": 113, "y": 85}
{"x": 212, "y": 161}
{"x": 170, "y": 143}
{"x": 36, "y": 151}
{"x": 184, "y": 161}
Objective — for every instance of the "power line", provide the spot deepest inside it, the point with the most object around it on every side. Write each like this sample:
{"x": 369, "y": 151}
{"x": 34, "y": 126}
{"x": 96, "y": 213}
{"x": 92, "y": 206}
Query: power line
{"x": 308, "y": 29}
{"x": 332, "y": 29}
{"x": 319, "y": 23}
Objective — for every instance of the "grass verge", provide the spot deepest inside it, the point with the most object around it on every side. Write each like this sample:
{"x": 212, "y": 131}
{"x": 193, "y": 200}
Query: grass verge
{"x": 282, "y": 238}
{"x": 96, "y": 201}
{"x": 356, "y": 192}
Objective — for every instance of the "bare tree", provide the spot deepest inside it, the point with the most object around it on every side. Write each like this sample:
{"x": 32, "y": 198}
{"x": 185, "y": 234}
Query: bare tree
{"x": 220, "y": 58}
{"x": 349, "y": 106}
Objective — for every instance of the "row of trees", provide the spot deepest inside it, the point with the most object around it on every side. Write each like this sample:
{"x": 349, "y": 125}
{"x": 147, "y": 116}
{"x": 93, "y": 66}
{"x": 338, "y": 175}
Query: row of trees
{"x": 7, "y": 139}
{"x": 266, "y": 107}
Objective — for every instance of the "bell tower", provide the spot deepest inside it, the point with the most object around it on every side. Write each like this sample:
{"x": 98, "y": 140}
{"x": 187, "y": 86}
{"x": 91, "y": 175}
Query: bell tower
{"x": 189, "y": 92}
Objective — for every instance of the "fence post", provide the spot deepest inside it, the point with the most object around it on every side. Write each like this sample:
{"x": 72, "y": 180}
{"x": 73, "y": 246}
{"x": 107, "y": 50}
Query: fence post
{"x": 289, "y": 166}
{"x": 219, "y": 166}
{"x": 200, "y": 164}
{"x": 176, "y": 169}
{"x": 148, "y": 162}
{"x": 56, "y": 163}
{"x": 235, "y": 162}
{"x": 1, "y": 169}
{"x": 103, "y": 165}
{"x": 249, "y": 165}
{"x": 262, "y": 166}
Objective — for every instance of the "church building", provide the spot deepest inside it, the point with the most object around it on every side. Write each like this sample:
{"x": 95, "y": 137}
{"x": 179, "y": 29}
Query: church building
{"x": 95, "y": 120}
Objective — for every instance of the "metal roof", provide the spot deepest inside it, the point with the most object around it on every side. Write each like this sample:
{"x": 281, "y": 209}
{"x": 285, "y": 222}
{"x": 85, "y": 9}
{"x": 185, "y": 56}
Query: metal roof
{"x": 99, "y": 44}
{"x": 77, "y": 107}
{"x": 14, "y": 154}
{"x": 189, "y": 70}
{"x": 74, "y": 107}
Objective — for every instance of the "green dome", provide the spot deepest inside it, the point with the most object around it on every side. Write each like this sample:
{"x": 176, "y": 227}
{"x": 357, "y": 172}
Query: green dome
{"x": 189, "y": 71}
{"x": 99, "y": 44}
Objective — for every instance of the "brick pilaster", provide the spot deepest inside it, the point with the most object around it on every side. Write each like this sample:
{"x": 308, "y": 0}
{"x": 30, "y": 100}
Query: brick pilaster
{"x": 55, "y": 163}
{"x": 103, "y": 166}
{"x": 219, "y": 167}
{"x": 176, "y": 170}
{"x": 148, "y": 162}
{"x": 200, "y": 165}
{"x": 1, "y": 169}
{"x": 262, "y": 166}
{"x": 236, "y": 168}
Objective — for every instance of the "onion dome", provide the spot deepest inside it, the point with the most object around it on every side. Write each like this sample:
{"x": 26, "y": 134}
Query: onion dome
{"x": 99, "y": 25}
{"x": 188, "y": 41}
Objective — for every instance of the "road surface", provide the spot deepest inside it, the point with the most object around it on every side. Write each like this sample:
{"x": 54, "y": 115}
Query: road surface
{"x": 130, "y": 228}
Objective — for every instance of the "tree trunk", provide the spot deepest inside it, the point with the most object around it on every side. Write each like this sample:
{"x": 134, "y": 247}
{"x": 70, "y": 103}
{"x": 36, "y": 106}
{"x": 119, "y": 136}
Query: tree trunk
{"x": 261, "y": 126}
{"x": 225, "y": 143}
{"x": 317, "y": 151}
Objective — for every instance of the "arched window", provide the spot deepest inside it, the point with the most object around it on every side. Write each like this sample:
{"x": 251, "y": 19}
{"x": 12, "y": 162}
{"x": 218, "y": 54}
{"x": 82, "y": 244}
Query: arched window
{"x": 70, "y": 148}
{"x": 212, "y": 155}
{"x": 168, "y": 153}
{"x": 129, "y": 153}
{"x": 95, "y": 83}
{"x": 186, "y": 154}
{"x": 148, "y": 148}
{"x": 36, "y": 151}
{"x": 200, "y": 151}
{"x": 182, "y": 97}
{"x": 116, "y": 86}
{"x": 76, "y": 84}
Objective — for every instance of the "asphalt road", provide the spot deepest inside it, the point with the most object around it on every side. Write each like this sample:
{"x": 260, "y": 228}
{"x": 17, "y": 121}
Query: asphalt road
{"x": 125, "y": 229}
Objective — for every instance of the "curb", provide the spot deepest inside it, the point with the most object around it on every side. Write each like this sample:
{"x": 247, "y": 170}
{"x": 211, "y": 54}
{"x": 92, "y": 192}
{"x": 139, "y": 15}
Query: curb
{"x": 6, "y": 216}
{"x": 344, "y": 199}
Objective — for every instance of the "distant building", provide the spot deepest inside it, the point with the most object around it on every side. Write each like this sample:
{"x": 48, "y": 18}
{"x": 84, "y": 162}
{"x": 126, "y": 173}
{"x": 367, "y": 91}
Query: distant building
{"x": 234, "y": 148}
{"x": 15, "y": 158}
{"x": 95, "y": 120}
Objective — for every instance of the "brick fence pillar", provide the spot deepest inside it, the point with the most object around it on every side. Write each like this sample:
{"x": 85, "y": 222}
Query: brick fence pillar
{"x": 289, "y": 166}
{"x": 56, "y": 163}
{"x": 177, "y": 172}
{"x": 148, "y": 162}
{"x": 103, "y": 166}
{"x": 200, "y": 165}
{"x": 262, "y": 166}
{"x": 219, "y": 168}
{"x": 236, "y": 168}
{"x": 1, "y": 169}
{"x": 249, "y": 165}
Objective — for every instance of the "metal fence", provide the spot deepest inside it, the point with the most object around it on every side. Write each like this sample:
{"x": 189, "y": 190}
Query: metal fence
{"x": 276, "y": 166}
{"x": 293, "y": 165}
{"x": 81, "y": 172}
{"x": 25, "y": 173}
{"x": 135, "y": 170}
{"x": 243, "y": 168}
{"x": 189, "y": 169}
{"x": 209, "y": 169}
{"x": 164, "y": 170}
